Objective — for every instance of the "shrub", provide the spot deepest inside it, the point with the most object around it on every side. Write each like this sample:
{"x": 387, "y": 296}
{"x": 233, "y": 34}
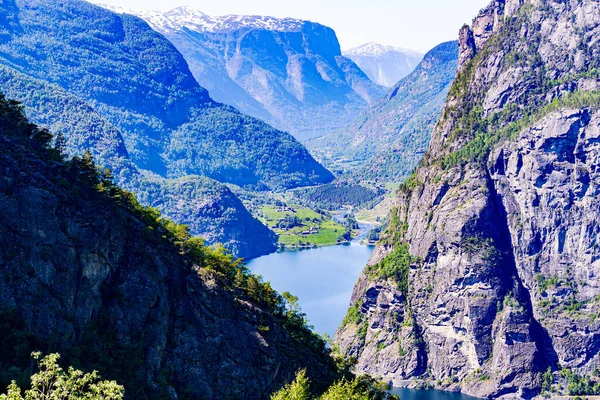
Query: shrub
{"x": 52, "y": 382}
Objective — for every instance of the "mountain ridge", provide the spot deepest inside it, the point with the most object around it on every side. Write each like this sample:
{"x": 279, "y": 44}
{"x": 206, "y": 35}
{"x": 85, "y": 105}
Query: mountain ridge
{"x": 80, "y": 69}
{"x": 386, "y": 141}
{"x": 114, "y": 287}
{"x": 289, "y": 73}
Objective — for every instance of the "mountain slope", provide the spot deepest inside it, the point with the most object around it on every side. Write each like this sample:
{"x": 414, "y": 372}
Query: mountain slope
{"x": 112, "y": 61}
{"x": 89, "y": 273}
{"x": 288, "y": 72}
{"x": 402, "y": 122}
{"x": 211, "y": 209}
{"x": 83, "y": 70}
{"x": 384, "y": 65}
{"x": 487, "y": 280}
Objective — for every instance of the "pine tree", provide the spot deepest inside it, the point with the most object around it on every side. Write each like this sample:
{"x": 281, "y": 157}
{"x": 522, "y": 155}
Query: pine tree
{"x": 60, "y": 144}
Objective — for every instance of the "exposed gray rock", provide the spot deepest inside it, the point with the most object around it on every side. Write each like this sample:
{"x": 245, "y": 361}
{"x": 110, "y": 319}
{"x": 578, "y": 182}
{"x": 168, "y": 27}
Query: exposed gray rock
{"x": 287, "y": 72}
{"x": 506, "y": 283}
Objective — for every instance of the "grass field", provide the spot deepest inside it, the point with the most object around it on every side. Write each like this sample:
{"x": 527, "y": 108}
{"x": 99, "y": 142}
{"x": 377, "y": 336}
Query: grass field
{"x": 328, "y": 230}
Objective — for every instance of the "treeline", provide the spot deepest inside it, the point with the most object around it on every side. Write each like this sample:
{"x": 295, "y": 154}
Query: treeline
{"x": 337, "y": 195}
{"x": 360, "y": 388}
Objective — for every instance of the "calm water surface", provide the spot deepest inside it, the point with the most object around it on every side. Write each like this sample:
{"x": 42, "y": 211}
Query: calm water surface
{"x": 322, "y": 279}
{"x": 410, "y": 394}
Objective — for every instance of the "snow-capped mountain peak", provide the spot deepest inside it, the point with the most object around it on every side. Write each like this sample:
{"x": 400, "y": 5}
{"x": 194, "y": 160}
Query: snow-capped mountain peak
{"x": 194, "y": 19}
{"x": 385, "y": 65}
{"x": 376, "y": 49}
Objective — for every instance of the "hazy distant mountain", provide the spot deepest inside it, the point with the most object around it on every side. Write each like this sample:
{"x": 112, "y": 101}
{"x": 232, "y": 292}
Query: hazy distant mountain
{"x": 288, "y": 72}
{"x": 385, "y": 65}
{"x": 389, "y": 138}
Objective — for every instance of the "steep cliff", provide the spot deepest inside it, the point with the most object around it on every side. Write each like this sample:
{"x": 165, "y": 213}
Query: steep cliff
{"x": 287, "y": 72}
{"x": 88, "y": 272}
{"x": 488, "y": 275}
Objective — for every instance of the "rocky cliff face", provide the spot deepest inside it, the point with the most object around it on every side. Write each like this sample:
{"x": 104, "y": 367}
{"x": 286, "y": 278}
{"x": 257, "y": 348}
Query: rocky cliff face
{"x": 87, "y": 274}
{"x": 488, "y": 276}
{"x": 288, "y": 72}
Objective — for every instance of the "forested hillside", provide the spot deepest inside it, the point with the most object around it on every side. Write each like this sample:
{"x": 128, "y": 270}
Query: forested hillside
{"x": 112, "y": 286}
{"x": 83, "y": 71}
{"x": 389, "y": 138}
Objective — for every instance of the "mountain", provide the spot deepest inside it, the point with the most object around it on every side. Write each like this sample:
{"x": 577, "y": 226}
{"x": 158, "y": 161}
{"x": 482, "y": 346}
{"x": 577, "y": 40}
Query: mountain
{"x": 384, "y": 65}
{"x": 389, "y": 138}
{"x": 487, "y": 278}
{"x": 211, "y": 209}
{"x": 287, "y": 72}
{"x": 81, "y": 69}
{"x": 111, "y": 61}
{"x": 113, "y": 287}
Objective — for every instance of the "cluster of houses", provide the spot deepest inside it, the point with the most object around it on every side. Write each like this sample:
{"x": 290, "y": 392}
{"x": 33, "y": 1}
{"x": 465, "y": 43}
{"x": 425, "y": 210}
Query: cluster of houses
{"x": 313, "y": 230}
{"x": 284, "y": 208}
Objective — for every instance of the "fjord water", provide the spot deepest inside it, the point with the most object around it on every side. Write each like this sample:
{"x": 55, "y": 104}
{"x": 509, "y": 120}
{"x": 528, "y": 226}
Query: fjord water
{"x": 411, "y": 394}
{"x": 322, "y": 278}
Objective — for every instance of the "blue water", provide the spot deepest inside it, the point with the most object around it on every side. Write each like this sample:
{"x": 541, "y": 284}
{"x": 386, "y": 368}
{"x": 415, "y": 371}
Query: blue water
{"x": 410, "y": 394}
{"x": 322, "y": 278}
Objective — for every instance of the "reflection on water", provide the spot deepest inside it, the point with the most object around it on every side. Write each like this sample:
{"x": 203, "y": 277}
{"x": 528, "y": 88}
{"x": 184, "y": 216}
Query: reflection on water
{"x": 322, "y": 278}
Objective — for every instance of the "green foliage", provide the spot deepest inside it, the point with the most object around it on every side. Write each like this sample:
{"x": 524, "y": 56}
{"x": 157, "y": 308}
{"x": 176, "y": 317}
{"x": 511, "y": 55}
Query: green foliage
{"x": 299, "y": 389}
{"x": 362, "y": 330}
{"x": 547, "y": 380}
{"x": 580, "y": 385}
{"x": 478, "y": 134}
{"x": 353, "y": 316}
{"x": 483, "y": 141}
{"x": 482, "y": 247}
{"x": 15, "y": 349}
{"x": 83, "y": 181}
{"x": 100, "y": 77}
{"x": 359, "y": 388}
{"x": 301, "y": 224}
{"x": 387, "y": 142}
{"x": 410, "y": 184}
{"x": 401, "y": 351}
{"x": 396, "y": 266}
{"x": 336, "y": 195}
{"x": 374, "y": 234}
{"x": 545, "y": 283}
{"x": 51, "y": 382}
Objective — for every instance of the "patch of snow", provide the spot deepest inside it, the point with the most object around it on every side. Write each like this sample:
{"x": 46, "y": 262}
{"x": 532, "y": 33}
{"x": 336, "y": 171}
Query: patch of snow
{"x": 376, "y": 49}
{"x": 195, "y": 20}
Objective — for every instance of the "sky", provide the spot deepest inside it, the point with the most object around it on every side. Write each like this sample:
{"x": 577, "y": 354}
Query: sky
{"x": 413, "y": 24}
